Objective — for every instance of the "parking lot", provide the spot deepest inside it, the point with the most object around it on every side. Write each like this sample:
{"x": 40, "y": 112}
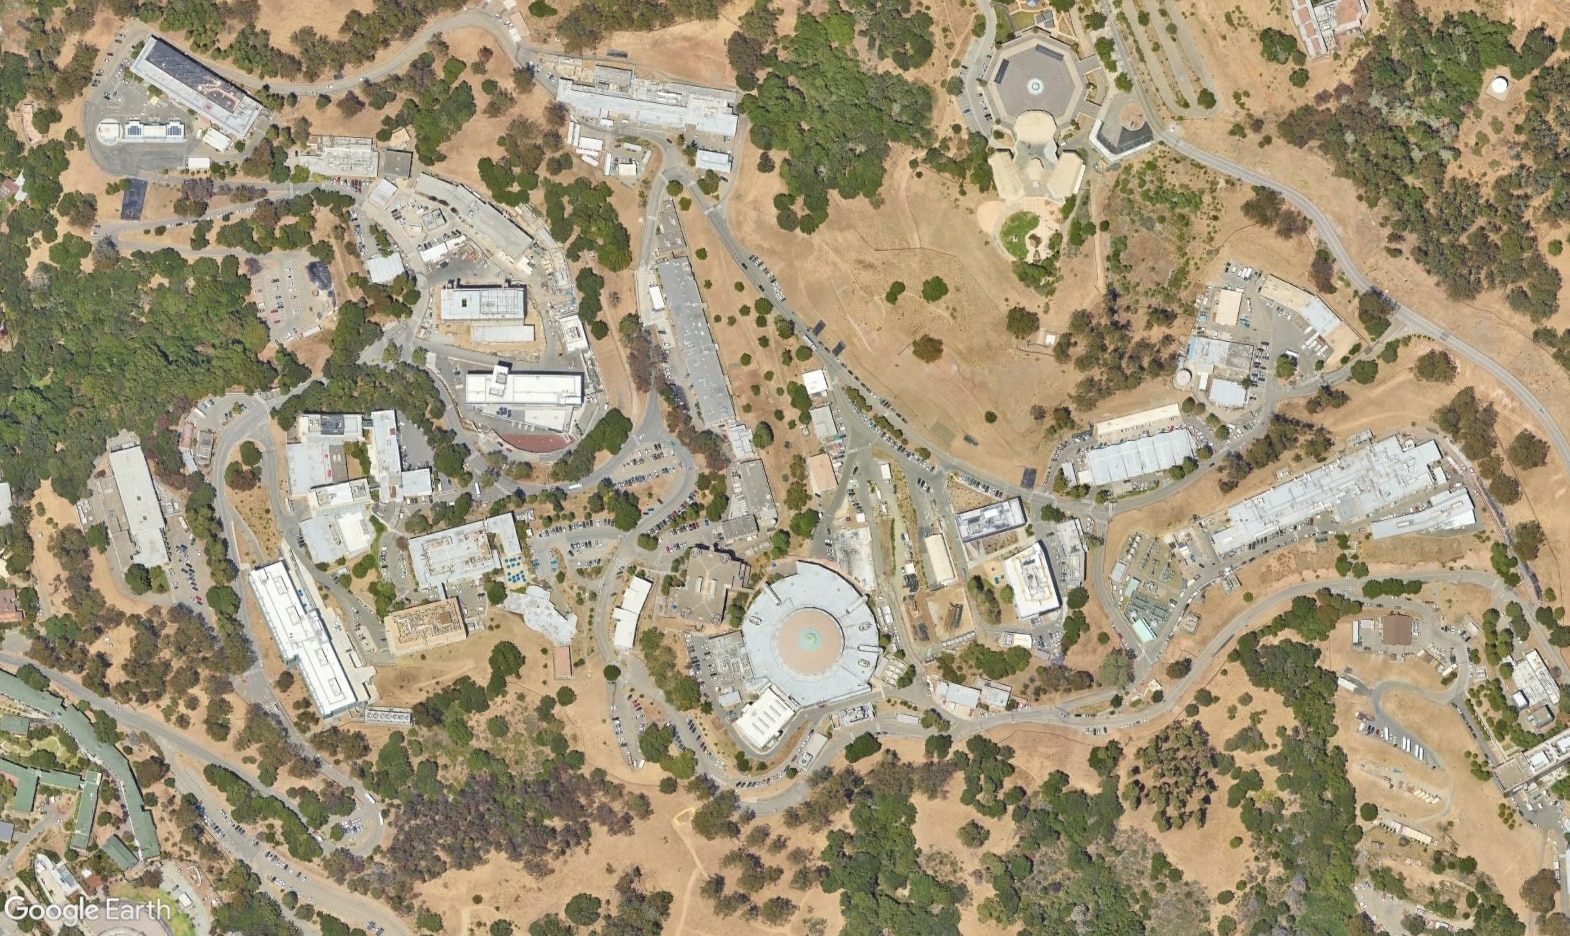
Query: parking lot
{"x": 290, "y": 305}
{"x": 111, "y": 96}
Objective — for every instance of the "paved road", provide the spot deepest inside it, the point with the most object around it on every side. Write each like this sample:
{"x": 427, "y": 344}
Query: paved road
{"x": 176, "y": 745}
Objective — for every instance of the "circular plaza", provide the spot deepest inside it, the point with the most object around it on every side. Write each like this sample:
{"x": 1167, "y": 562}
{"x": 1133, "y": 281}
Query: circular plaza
{"x": 812, "y": 635}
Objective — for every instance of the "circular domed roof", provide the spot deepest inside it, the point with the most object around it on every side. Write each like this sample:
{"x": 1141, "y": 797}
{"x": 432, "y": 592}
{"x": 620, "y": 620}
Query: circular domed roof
{"x": 809, "y": 642}
{"x": 1499, "y": 85}
{"x": 1182, "y": 378}
{"x": 1034, "y": 73}
{"x": 1036, "y": 128}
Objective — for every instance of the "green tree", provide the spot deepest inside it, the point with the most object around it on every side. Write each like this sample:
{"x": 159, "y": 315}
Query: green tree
{"x": 934, "y": 289}
{"x": 1435, "y": 366}
{"x": 865, "y": 745}
{"x": 927, "y": 349}
{"x": 138, "y": 579}
{"x": 583, "y": 909}
{"x": 1022, "y": 323}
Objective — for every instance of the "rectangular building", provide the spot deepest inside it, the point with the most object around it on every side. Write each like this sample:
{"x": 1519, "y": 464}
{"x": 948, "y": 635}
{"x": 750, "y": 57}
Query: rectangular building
{"x": 1070, "y": 542}
{"x": 1447, "y": 510}
{"x": 382, "y": 270}
{"x": 823, "y": 426}
{"x": 484, "y": 220}
{"x": 1135, "y": 458}
{"x": 707, "y": 387}
{"x": 197, "y": 88}
{"x": 713, "y": 160}
{"x": 1228, "y": 394}
{"x": 464, "y": 553}
{"x": 1352, "y": 487}
{"x": 1161, "y": 417}
{"x": 1031, "y": 578}
{"x": 491, "y": 305}
{"x": 341, "y": 157}
{"x": 1534, "y": 680}
{"x": 144, "y": 519}
{"x": 938, "y": 560}
{"x": 990, "y": 520}
{"x": 312, "y": 465}
{"x": 425, "y": 626}
{"x": 646, "y": 103}
{"x": 386, "y": 454}
{"x": 302, "y": 638}
{"x": 1229, "y": 302}
{"x": 503, "y": 387}
{"x": 626, "y": 614}
{"x": 762, "y": 722}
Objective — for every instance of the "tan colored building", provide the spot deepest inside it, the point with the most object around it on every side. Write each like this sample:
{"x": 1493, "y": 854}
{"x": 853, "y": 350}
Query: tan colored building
{"x": 425, "y": 626}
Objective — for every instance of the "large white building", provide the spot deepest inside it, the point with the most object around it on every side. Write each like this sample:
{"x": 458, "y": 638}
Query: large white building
{"x": 144, "y": 520}
{"x": 625, "y": 615}
{"x": 1030, "y": 577}
{"x": 1133, "y": 458}
{"x": 547, "y": 399}
{"x": 492, "y": 304}
{"x": 466, "y": 553}
{"x": 762, "y": 722}
{"x": 197, "y": 88}
{"x": 1352, "y": 487}
{"x": 990, "y": 520}
{"x": 302, "y": 638}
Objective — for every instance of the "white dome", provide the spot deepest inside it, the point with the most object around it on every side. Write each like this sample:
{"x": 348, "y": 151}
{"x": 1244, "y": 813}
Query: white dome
{"x": 1499, "y": 85}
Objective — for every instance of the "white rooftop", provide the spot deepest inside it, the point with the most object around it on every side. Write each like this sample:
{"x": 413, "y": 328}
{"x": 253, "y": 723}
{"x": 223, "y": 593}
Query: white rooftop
{"x": 1122, "y": 461}
{"x": 483, "y": 303}
{"x": 1447, "y": 510}
{"x": 990, "y": 520}
{"x": 816, "y": 382}
{"x": 464, "y": 553}
{"x": 540, "y": 615}
{"x": 501, "y": 387}
{"x": 302, "y": 638}
{"x": 1031, "y": 578}
{"x": 625, "y": 615}
{"x": 144, "y": 519}
{"x": 1164, "y": 416}
{"x": 1352, "y": 487}
{"x": 762, "y": 722}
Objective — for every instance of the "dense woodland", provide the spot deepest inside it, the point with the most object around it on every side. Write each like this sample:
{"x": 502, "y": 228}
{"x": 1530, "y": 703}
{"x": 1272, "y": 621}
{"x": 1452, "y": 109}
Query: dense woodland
{"x": 1395, "y": 132}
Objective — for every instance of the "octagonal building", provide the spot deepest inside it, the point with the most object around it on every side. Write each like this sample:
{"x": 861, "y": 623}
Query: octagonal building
{"x": 1034, "y": 73}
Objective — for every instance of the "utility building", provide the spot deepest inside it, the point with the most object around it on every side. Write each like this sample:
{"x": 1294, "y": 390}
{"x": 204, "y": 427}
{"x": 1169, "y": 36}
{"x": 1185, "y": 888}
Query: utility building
{"x": 197, "y": 88}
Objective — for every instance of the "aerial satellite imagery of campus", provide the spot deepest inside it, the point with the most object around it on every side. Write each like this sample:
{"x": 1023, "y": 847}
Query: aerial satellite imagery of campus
{"x": 784, "y": 468}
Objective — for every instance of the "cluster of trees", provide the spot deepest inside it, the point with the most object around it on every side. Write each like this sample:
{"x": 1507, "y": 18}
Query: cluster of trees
{"x": 1267, "y": 208}
{"x": 608, "y": 436}
{"x": 1435, "y": 366}
{"x": 1175, "y": 774}
{"x": 1392, "y": 133}
{"x": 1470, "y": 422}
{"x": 1104, "y": 347}
{"x": 248, "y": 805}
{"x": 582, "y": 218}
{"x": 587, "y": 24}
{"x": 1282, "y": 436}
{"x": 680, "y": 689}
{"x": 835, "y": 121}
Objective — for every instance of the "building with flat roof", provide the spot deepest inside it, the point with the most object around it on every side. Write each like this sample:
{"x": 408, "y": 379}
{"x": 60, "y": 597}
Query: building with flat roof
{"x": 990, "y": 520}
{"x": 344, "y": 494}
{"x": 938, "y": 560}
{"x": 1350, "y": 488}
{"x": 504, "y": 387}
{"x": 5, "y": 502}
{"x": 464, "y": 553}
{"x": 1320, "y": 319}
{"x": 823, "y": 425}
{"x": 1532, "y": 678}
{"x": 961, "y": 700}
{"x": 763, "y": 721}
{"x": 485, "y": 221}
{"x": 820, "y": 473}
{"x": 662, "y": 105}
{"x": 1446, "y": 511}
{"x": 1069, "y": 541}
{"x": 1135, "y": 458}
{"x": 383, "y": 269}
{"x": 1229, "y": 303}
{"x": 712, "y": 160}
{"x": 144, "y": 519}
{"x": 711, "y": 577}
{"x": 539, "y": 614}
{"x": 425, "y": 626}
{"x": 314, "y": 464}
{"x": 1228, "y": 394}
{"x": 197, "y": 88}
{"x": 302, "y": 638}
{"x": 341, "y": 157}
{"x": 812, "y": 635}
{"x": 493, "y": 305}
{"x": 331, "y": 428}
{"x": 815, "y": 382}
{"x": 1160, "y": 417}
{"x": 699, "y": 356}
{"x": 342, "y": 533}
{"x": 1030, "y": 576}
{"x": 1206, "y": 355}
{"x": 625, "y": 615}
